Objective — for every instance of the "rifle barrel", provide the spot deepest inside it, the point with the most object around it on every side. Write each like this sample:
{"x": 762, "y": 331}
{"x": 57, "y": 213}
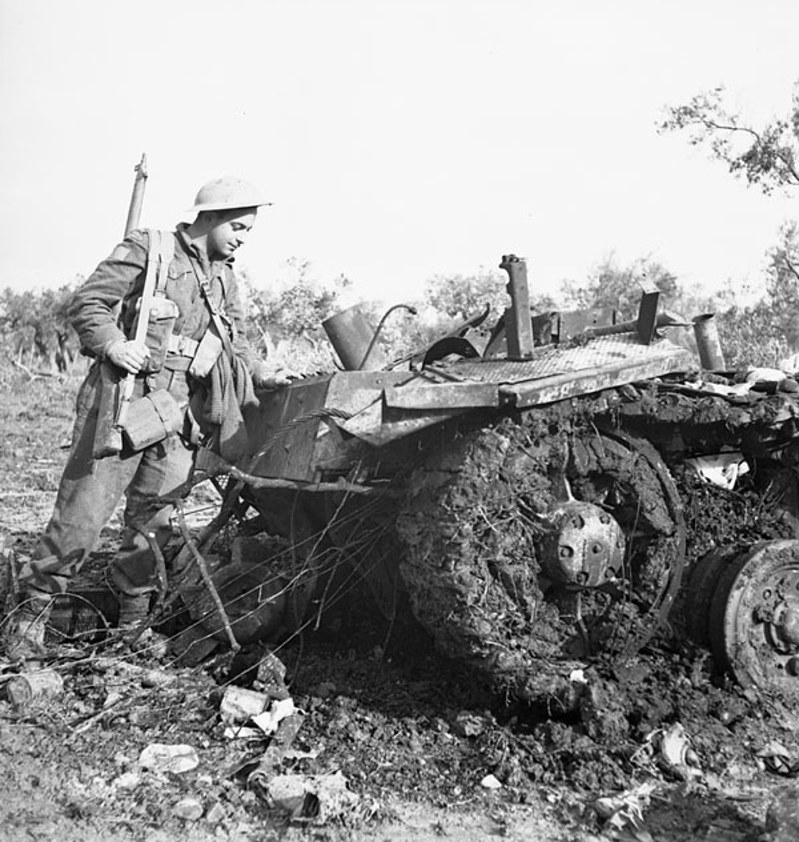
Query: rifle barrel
{"x": 137, "y": 196}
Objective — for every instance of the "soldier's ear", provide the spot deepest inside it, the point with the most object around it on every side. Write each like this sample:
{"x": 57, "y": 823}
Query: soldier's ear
{"x": 207, "y": 218}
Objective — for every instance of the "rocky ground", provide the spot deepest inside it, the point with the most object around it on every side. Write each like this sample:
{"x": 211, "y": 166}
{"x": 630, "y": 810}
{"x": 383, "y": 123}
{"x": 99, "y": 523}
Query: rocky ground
{"x": 394, "y": 742}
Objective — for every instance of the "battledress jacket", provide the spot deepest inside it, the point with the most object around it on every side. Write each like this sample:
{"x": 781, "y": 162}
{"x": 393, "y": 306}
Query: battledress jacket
{"x": 99, "y": 320}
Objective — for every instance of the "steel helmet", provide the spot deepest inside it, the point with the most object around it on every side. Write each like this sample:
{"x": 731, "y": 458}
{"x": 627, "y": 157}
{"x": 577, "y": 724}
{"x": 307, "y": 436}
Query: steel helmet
{"x": 227, "y": 193}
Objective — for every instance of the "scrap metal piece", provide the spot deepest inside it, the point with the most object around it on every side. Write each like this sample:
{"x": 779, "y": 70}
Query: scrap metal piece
{"x": 449, "y": 345}
{"x": 647, "y": 312}
{"x": 518, "y": 326}
{"x": 350, "y": 332}
{"x": 754, "y": 618}
{"x": 706, "y": 333}
{"x": 442, "y": 396}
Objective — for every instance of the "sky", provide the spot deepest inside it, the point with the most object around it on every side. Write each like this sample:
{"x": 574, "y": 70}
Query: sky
{"x": 398, "y": 139}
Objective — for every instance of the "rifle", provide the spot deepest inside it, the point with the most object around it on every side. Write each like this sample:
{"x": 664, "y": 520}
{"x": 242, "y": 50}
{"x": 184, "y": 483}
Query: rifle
{"x": 116, "y": 391}
{"x": 137, "y": 196}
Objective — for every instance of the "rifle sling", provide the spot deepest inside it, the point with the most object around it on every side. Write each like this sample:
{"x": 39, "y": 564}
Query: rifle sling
{"x": 150, "y": 279}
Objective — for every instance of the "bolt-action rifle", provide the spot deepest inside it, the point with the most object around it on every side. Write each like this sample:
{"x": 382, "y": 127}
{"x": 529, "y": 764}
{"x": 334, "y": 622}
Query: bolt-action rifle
{"x": 115, "y": 389}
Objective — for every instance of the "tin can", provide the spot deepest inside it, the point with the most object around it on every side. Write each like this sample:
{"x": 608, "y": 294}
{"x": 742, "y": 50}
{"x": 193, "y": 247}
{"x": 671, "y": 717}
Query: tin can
{"x": 708, "y": 344}
{"x": 351, "y": 334}
{"x": 31, "y": 687}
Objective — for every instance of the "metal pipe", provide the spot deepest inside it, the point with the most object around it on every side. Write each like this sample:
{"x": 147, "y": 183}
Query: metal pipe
{"x": 350, "y": 332}
{"x": 708, "y": 343}
{"x": 412, "y": 310}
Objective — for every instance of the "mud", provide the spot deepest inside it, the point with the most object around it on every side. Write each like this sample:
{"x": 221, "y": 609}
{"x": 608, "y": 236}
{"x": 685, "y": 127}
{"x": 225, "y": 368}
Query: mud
{"x": 415, "y": 732}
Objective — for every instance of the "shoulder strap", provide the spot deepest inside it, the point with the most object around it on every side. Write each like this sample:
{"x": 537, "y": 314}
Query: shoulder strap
{"x": 216, "y": 318}
{"x": 148, "y": 290}
{"x": 166, "y": 252}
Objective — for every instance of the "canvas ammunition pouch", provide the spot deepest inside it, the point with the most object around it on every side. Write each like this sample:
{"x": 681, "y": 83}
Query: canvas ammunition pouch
{"x": 207, "y": 353}
{"x": 163, "y": 314}
{"x": 151, "y": 419}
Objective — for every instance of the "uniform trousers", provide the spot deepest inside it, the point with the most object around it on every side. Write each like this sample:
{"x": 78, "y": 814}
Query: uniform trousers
{"x": 89, "y": 492}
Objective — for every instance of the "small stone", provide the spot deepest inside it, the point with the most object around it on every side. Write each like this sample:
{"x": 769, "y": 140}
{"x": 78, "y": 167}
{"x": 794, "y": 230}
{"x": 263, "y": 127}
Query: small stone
{"x": 490, "y": 782}
{"x": 189, "y": 809}
{"x": 216, "y": 814}
{"x": 128, "y": 780}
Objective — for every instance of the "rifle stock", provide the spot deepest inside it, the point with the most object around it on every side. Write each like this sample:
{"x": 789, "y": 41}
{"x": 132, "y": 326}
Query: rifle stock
{"x": 116, "y": 389}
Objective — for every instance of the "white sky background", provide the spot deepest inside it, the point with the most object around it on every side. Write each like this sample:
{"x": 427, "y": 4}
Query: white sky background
{"x": 399, "y": 139}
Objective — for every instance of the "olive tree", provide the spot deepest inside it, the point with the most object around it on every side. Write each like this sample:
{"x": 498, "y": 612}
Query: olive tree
{"x": 766, "y": 156}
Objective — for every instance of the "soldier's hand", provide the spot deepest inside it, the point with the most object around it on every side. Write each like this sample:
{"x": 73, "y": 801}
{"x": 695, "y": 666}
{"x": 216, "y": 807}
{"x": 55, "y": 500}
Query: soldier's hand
{"x": 129, "y": 355}
{"x": 263, "y": 378}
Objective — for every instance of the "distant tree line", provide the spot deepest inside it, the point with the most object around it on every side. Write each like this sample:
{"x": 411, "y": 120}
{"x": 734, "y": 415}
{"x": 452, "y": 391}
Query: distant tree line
{"x": 35, "y": 330}
{"x": 286, "y": 318}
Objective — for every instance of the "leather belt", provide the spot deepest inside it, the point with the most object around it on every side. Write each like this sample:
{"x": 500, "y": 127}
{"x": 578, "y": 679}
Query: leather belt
{"x": 182, "y": 346}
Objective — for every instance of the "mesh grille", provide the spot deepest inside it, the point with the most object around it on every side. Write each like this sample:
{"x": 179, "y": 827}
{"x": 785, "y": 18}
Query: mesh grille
{"x": 550, "y": 360}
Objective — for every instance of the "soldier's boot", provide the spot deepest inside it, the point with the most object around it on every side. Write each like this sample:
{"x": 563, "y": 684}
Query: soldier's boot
{"x": 27, "y": 625}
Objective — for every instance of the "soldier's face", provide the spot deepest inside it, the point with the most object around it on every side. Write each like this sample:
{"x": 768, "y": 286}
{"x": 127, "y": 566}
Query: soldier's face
{"x": 229, "y": 231}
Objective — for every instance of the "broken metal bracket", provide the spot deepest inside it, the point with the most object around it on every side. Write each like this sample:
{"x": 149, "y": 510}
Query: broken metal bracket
{"x": 646, "y": 323}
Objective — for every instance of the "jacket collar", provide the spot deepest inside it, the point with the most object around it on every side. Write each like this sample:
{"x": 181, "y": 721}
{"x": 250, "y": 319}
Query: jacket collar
{"x": 199, "y": 254}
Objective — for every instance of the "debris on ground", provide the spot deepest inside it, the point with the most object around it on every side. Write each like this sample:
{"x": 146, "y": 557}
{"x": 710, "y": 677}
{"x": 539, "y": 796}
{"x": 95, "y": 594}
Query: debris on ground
{"x": 372, "y": 709}
{"x": 176, "y": 759}
{"x": 627, "y": 809}
{"x": 316, "y": 799}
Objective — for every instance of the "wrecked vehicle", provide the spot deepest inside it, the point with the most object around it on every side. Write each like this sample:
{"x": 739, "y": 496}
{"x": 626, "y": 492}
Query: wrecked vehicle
{"x": 550, "y": 492}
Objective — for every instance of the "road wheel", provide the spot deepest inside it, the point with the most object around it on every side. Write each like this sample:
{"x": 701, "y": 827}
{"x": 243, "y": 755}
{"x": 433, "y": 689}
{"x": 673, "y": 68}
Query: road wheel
{"x": 538, "y": 542}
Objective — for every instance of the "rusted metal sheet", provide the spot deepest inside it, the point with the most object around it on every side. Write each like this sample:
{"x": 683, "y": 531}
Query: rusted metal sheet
{"x": 293, "y": 419}
{"x": 379, "y": 425}
{"x": 353, "y": 391}
{"x": 574, "y": 322}
{"x": 442, "y": 395}
{"x": 553, "y": 360}
{"x": 603, "y": 362}
{"x": 286, "y": 442}
{"x": 560, "y": 386}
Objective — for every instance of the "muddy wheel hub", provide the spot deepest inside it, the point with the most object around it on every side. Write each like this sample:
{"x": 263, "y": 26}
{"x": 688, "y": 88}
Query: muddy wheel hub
{"x": 783, "y": 630}
{"x": 585, "y": 547}
{"x": 754, "y": 617}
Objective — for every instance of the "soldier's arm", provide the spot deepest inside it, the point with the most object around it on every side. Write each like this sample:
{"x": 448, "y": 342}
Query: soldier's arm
{"x": 234, "y": 310}
{"x": 94, "y": 309}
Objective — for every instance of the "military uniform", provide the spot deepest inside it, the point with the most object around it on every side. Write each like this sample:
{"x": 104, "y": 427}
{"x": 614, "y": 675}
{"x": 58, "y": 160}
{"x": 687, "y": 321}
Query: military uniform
{"x": 103, "y": 312}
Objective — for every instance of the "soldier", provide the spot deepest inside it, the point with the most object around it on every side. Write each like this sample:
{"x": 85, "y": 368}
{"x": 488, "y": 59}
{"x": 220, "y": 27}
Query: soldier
{"x": 192, "y": 381}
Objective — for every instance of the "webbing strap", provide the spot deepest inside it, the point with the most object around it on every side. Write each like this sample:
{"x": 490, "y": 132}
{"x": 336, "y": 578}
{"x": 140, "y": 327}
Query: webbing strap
{"x": 149, "y": 284}
{"x": 216, "y": 318}
{"x": 166, "y": 252}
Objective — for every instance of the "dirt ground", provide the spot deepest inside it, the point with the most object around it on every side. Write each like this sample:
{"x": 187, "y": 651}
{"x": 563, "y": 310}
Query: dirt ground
{"x": 661, "y": 748}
